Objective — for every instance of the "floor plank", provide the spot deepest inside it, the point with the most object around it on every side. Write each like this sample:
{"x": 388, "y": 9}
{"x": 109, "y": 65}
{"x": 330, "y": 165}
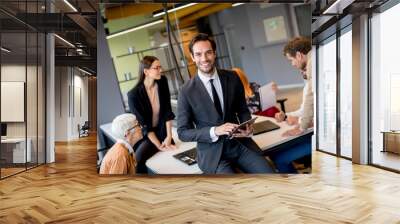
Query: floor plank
{"x": 70, "y": 191}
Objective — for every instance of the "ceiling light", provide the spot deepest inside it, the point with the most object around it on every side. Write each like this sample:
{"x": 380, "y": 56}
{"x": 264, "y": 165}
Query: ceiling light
{"x": 237, "y": 4}
{"x": 5, "y": 49}
{"x": 337, "y": 7}
{"x": 70, "y": 5}
{"x": 64, "y": 40}
{"x": 174, "y": 9}
{"x": 134, "y": 29}
{"x": 84, "y": 71}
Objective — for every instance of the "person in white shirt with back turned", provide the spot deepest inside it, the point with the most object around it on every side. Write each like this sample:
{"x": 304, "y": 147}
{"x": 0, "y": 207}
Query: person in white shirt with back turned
{"x": 298, "y": 52}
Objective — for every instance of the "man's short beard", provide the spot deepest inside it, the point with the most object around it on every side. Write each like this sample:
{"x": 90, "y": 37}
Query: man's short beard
{"x": 208, "y": 72}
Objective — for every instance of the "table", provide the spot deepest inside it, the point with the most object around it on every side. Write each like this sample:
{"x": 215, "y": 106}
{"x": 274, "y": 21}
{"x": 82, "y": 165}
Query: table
{"x": 269, "y": 142}
{"x": 13, "y": 150}
{"x": 391, "y": 141}
{"x": 165, "y": 163}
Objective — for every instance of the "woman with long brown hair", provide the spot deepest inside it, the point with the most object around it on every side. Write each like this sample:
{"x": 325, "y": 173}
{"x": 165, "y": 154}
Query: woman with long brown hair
{"x": 150, "y": 101}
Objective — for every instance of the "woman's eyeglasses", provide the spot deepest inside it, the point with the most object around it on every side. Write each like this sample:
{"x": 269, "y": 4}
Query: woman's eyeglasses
{"x": 134, "y": 127}
{"x": 156, "y": 68}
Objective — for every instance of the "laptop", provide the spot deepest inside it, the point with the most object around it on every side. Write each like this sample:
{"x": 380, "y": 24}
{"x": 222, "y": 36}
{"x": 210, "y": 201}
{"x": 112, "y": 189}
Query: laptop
{"x": 264, "y": 126}
{"x": 188, "y": 156}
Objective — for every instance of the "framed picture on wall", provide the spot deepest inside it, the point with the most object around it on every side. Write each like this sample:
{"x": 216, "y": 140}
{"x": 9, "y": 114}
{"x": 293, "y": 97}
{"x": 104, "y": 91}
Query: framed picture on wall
{"x": 12, "y": 101}
{"x": 275, "y": 29}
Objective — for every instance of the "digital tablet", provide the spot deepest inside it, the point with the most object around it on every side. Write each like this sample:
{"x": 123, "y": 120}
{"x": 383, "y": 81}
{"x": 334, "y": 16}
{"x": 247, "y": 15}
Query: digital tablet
{"x": 243, "y": 125}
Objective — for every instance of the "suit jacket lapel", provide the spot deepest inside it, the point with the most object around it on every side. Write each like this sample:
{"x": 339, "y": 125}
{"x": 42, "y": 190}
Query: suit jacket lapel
{"x": 224, "y": 85}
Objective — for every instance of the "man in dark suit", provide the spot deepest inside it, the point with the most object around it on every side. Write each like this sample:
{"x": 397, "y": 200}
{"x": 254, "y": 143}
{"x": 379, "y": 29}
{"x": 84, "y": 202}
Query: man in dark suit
{"x": 209, "y": 107}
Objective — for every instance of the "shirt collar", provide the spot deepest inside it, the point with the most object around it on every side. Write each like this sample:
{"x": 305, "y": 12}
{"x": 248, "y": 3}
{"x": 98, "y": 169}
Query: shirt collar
{"x": 126, "y": 144}
{"x": 205, "y": 78}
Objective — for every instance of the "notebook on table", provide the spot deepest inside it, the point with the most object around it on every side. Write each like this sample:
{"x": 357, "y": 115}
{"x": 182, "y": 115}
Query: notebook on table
{"x": 188, "y": 156}
{"x": 264, "y": 126}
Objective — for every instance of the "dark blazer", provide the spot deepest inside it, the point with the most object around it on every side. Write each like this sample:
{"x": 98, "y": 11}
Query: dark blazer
{"x": 197, "y": 114}
{"x": 139, "y": 105}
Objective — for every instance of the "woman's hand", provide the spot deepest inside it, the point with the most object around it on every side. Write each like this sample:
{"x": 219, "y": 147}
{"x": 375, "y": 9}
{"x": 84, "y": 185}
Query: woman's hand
{"x": 280, "y": 116}
{"x": 244, "y": 133}
{"x": 166, "y": 144}
{"x": 293, "y": 132}
{"x": 292, "y": 120}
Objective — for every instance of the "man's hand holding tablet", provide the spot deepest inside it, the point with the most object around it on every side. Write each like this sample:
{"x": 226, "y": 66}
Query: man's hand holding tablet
{"x": 244, "y": 129}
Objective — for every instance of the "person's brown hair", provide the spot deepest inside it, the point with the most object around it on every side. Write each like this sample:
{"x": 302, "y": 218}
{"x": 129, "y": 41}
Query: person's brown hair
{"x": 297, "y": 44}
{"x": 145, "y": 63}
{"x": 246, "y": 85}
{"x": 201, "y": 37}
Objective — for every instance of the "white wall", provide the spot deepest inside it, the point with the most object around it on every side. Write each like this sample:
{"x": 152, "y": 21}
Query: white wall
{"x": 33, "y": 126}
{"x": 262, "y": 62}
{"x": 61, "y": 103}
{"x": 80, "y": 94}
{"x": 15, "y": 72}
{"x": 82, "y": 82}
{"x": 71, "y": 87}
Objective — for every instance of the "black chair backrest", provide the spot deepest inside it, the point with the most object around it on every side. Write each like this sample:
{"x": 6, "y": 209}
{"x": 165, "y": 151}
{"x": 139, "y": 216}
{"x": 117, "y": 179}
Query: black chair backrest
{"x": 100, "y": 155}
{"x": 86, "y": 125}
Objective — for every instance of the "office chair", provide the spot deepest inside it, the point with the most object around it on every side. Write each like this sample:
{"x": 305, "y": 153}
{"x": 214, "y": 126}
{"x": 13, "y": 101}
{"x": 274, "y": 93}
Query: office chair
{"x": 84, "y": 130}
{"x": 100, "y": 156}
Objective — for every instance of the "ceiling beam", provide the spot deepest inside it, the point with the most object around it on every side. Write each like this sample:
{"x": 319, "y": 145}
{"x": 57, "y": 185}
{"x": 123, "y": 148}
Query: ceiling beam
{"x": 84, "y": 24}
{"x": 123, "y": 11}
{"x": 62, "y": 6}
{"x": 190, "y": 19}
{"x": 187, "y": 11}
{"x": 83, "y": 61}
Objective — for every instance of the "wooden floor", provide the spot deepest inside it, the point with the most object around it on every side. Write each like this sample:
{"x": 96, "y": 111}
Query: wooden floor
{"x": 70, "y": 191}
{"x": 10, "y": 171}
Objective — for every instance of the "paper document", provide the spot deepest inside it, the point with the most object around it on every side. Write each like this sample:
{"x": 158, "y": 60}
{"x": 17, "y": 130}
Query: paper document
{"x": 267, "y": 96}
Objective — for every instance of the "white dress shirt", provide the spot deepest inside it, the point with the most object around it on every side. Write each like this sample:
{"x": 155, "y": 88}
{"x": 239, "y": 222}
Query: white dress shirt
{"x": 306, "y": 110}
{"x": 299, "y": 112}
{"x": 205, "y": 79}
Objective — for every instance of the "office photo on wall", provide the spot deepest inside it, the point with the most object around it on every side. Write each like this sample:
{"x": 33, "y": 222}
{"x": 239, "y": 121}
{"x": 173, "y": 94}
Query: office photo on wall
{"x": 205, "y": 88}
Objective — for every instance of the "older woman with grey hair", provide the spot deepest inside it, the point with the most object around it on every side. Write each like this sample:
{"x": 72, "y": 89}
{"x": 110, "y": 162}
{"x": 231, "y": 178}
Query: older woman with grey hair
{"x": 120, "y": 159}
